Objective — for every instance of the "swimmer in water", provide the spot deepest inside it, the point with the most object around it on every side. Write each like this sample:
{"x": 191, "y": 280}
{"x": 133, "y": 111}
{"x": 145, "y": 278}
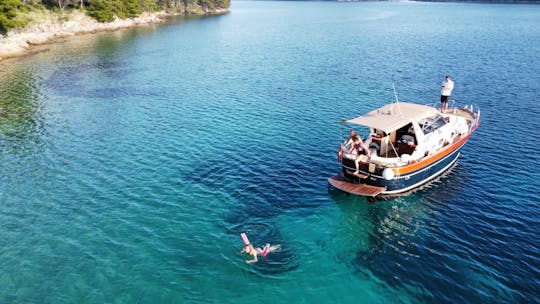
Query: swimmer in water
{"x": 259, "y": 251}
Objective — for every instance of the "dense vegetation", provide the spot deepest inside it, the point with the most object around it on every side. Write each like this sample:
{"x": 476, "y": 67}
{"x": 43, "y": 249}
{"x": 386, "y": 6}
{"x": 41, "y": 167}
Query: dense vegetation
{"x": 104, "y": 10}
{"x": 8, "y": 12}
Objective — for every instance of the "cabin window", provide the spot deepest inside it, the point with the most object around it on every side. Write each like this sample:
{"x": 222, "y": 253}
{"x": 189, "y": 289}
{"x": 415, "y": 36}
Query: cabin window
{"x": 431, "y": 124}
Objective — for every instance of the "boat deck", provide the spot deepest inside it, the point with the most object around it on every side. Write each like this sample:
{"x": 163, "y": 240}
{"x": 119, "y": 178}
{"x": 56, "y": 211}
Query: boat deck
{"x": 342, "y": 184}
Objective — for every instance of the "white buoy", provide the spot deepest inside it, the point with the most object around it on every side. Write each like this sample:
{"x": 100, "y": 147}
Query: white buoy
{"x": 388, "y": 174}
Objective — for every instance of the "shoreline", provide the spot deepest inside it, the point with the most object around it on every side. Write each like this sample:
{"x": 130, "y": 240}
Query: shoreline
{"x": 20, "y": 42}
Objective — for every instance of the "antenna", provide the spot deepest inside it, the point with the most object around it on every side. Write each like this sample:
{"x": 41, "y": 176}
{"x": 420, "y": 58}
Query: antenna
{"x": 397, "y": 101}
{"x": 395, "y": 94}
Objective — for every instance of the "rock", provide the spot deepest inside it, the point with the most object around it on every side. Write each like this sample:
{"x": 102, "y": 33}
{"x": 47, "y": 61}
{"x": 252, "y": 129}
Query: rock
{"x": 19, "y": 41}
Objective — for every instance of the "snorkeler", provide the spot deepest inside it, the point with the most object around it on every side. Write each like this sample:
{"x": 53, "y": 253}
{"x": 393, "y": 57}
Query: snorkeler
{"x": 257, "y": 251}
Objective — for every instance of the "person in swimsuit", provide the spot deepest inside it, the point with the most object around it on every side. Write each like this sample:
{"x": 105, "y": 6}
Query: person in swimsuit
{"x": 249, "y": 249}
{"x": 356, "y": 147}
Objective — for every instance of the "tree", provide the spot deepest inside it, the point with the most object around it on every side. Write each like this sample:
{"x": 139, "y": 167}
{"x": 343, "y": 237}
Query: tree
{"x": 101, "y": 10}
{"x": 8, "y": 12}
{"x": 62, "y": 4}
{"x": 131, "y": 8}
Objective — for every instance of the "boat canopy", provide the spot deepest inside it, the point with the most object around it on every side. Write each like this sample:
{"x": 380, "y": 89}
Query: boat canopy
{"x": 393, "y": 116}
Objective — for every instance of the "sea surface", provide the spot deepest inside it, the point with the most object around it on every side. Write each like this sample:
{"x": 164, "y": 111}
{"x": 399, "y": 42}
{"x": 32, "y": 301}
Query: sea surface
{"x": 131, "y": 161}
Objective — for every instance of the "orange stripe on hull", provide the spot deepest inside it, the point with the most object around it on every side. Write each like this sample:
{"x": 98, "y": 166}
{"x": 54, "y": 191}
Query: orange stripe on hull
{"x": 435, "y": 157}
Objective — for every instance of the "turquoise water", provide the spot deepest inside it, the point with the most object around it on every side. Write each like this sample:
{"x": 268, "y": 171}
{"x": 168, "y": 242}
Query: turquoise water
{"x": 131, "y": 161}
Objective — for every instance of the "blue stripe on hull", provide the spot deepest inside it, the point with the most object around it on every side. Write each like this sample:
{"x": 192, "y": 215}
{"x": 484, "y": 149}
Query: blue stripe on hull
{"x": 414, "y": 179}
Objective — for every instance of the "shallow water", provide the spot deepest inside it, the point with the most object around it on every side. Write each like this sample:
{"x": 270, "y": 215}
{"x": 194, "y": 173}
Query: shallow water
{"x": 131, "y": 161}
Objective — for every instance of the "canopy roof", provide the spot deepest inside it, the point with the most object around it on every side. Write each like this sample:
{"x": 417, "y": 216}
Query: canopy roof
{"x": 393, "y": 116}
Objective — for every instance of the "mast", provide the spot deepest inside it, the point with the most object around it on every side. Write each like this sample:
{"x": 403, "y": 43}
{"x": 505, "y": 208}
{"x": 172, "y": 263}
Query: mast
{"x": 397, "y": 101}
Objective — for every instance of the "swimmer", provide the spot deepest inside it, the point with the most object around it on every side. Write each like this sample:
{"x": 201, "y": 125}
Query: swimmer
{"x": 259, "y": 251}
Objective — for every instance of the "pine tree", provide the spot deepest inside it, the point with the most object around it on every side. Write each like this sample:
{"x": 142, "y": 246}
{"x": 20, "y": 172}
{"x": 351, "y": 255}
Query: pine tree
{"x": 8, "y": 12}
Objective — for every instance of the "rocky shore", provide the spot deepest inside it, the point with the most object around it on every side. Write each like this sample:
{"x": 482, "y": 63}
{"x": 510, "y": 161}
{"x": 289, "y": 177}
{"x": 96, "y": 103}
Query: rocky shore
{"x": 51, "y": 27}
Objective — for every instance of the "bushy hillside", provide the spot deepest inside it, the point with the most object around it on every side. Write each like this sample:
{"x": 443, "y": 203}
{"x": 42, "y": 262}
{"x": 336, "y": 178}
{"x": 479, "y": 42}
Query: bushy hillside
{"x": 12, "y": 11}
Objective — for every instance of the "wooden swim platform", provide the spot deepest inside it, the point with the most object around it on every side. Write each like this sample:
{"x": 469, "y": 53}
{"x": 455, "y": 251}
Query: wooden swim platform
{"x": 342, "y": 184}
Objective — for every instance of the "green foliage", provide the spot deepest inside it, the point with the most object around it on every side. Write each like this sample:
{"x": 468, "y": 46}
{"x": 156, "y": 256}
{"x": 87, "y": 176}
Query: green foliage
{"x": 149, "y": 5}
{"x": 131, "y": 8}
{"x": 8, "y": 12}
{"x": 105, "y": 10}
{"x": 101, "y": 10}
{"x": 207, "y": 4}
{"x": 214, "y": 4}
{"x": 223, "y": 3}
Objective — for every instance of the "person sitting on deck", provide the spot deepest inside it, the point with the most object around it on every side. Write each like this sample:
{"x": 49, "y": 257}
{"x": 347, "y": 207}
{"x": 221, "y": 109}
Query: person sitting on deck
{"x": 249, "y": 249}
{"x": 356, "y": 147}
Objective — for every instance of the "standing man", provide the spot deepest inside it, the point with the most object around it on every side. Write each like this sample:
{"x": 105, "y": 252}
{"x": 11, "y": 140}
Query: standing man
{"x": 446, "y": 90}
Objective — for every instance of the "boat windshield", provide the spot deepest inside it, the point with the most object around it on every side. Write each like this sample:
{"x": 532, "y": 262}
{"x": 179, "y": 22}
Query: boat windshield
{"x": 431, "y": 124}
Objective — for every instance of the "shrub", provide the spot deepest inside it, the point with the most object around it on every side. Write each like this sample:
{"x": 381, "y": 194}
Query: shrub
{"x": 8, "y": 12}
{"x": 101, "y": 10}
{"x": 131, "y": 8}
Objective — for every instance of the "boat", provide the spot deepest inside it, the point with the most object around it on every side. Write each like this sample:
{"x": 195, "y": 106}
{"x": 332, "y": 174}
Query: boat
{"x": 409, "y": 145}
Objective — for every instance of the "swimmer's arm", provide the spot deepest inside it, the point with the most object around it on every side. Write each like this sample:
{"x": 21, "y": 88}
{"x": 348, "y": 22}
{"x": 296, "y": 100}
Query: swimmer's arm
{"x": 252, "y": 261}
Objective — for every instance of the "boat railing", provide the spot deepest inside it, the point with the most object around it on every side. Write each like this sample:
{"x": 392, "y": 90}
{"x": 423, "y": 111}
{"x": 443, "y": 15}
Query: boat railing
{"x": 432, "y": 104}
{"x": 436, "y": 104}
{"x": 472, "y": 107}
{"x": 475, "y": 110}
{"x": 452, "y": 103}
